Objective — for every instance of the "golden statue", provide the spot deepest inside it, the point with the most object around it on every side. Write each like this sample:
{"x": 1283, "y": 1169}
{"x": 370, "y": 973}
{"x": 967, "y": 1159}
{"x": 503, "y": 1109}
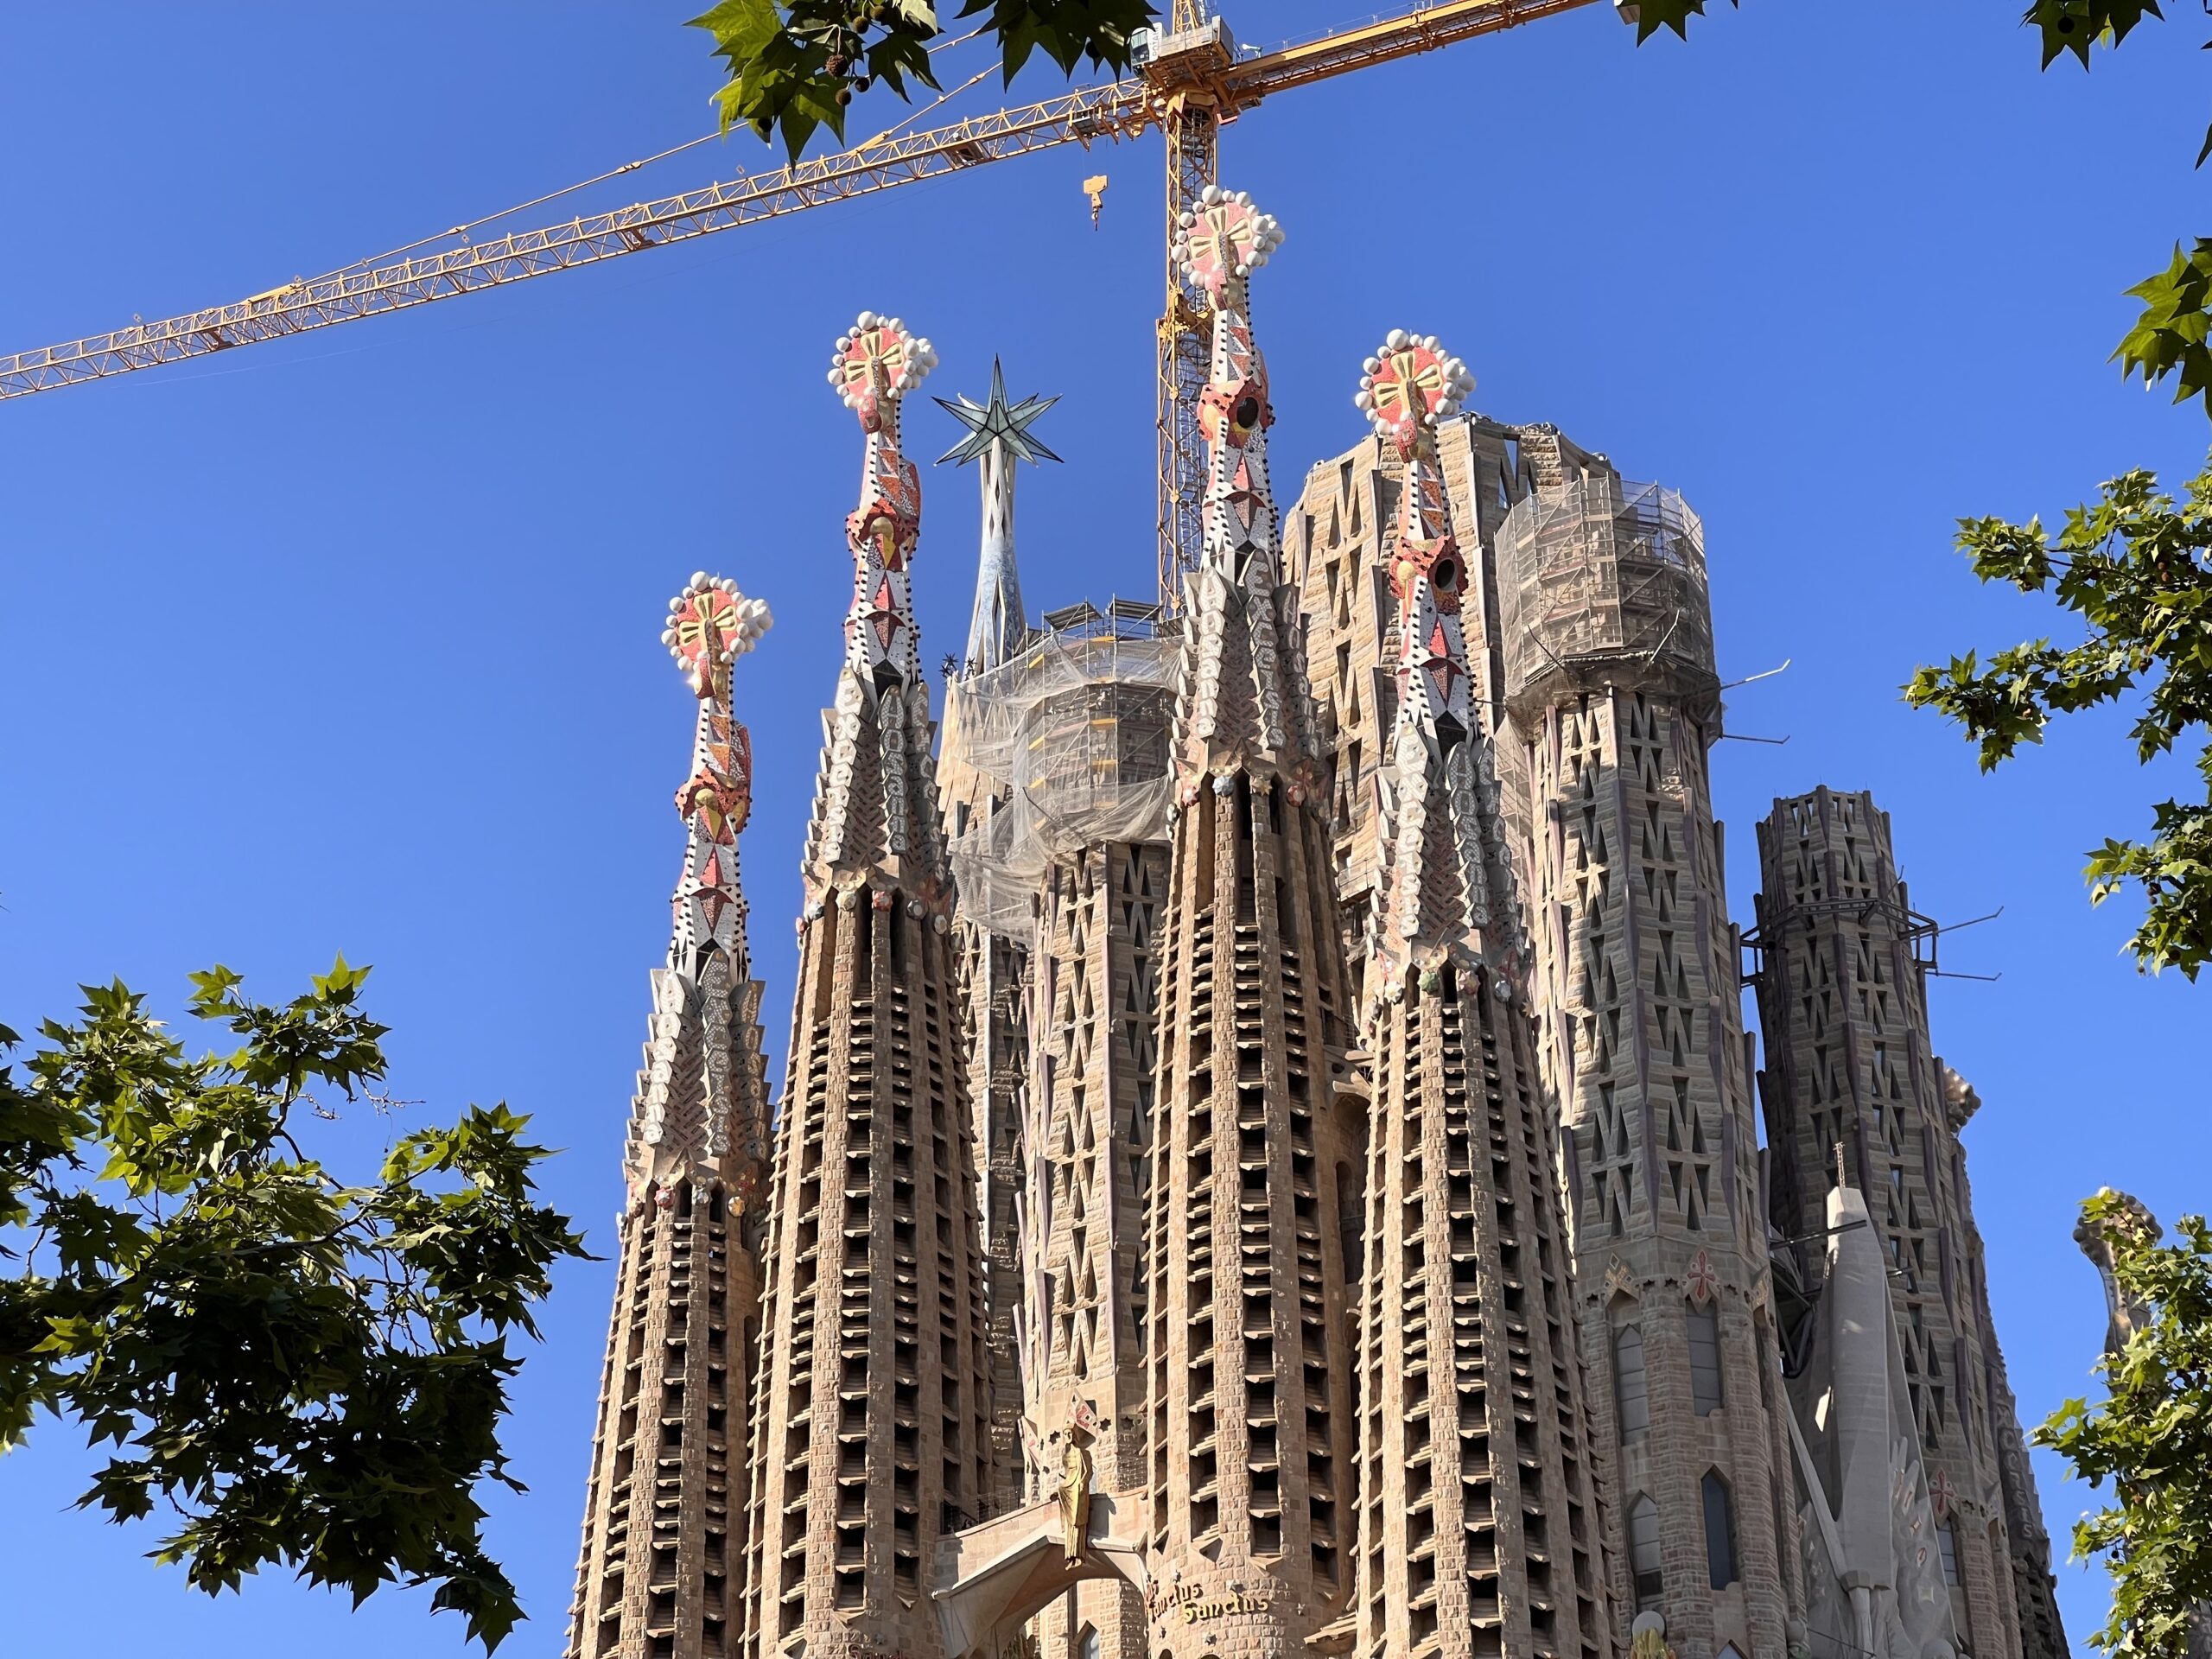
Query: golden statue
{"x": 1075, "y": 1500}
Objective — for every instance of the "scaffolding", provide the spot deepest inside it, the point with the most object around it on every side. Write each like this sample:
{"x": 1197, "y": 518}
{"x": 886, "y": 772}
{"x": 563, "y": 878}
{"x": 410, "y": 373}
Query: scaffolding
{"x": 1063, "y": 745}
{"x": 1604, "y": 572}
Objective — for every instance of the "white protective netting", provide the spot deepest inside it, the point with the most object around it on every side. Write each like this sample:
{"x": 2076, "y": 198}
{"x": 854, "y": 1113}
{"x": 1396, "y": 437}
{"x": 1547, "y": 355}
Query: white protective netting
{"x": 1604, "y": 567}
{"x": 1064, "y": 744}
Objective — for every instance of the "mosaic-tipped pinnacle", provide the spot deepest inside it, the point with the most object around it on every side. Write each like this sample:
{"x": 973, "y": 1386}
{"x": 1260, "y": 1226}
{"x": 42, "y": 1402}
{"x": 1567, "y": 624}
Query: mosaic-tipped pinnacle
{"x": 1411, "y": 383}
{"x": 711, "y": 623}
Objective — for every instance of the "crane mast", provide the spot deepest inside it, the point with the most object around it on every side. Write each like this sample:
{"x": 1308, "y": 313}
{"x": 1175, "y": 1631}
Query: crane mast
{"x": 1190, "y": 82}
{"x": 1183, "y": 68}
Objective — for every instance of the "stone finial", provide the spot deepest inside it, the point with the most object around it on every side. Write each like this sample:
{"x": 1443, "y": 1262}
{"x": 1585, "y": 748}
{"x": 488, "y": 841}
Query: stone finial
{"x": 710, "y": 626}
{"x": 2124, "y": 1216}
{"x": 1224, "y": 239}
{"x": 877, "y": 362}
{"x": 1409, "y": 386}
{"x": 1960, "y": 1099}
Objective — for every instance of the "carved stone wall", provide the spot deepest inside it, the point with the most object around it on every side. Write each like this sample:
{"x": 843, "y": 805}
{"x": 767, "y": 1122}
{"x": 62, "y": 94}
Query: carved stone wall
{"x": 996, "y": 1040}
{"x": 1096, "y": 1059}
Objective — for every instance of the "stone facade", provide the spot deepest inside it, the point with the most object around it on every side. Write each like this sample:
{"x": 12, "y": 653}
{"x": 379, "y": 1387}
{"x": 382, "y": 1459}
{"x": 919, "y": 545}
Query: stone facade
{"x": 1303, "y": 1197}
{"x": 995, "y": 1038}
{"x": 1854, "y": 1096}
{"x": 1091, "y": 1161}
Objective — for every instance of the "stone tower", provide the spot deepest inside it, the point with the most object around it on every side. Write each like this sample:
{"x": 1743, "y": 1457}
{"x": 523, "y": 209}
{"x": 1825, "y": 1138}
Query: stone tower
{"x": 1612, "y": 696}
{"x": 1250, "y": 1398}
{"x": 662, "y": 1559}
{"x": 1851, "y": 1088}
{"x": 871, "y": 1434}
{"x": 1480, "y": 1531}
{"x": 996, "y": 962}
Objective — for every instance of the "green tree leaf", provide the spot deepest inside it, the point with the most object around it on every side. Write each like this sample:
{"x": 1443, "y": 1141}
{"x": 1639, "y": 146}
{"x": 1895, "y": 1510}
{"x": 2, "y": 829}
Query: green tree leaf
{"x": 1652, "y": 15}
{"x": 793, "y": 67}
{"x": 2074, "y": 25}
{"x": 2136, "y": 569}
{"x": 2150, "y": 1439}
{"x": 303, "y": 1373}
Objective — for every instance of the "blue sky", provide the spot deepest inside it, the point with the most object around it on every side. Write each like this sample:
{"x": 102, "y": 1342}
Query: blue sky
{"x": 350, "y": 643}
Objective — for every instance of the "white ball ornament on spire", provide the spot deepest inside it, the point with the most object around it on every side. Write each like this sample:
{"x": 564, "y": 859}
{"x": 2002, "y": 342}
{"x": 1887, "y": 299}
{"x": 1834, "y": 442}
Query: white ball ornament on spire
{"x": 878, "y": 358}
{"x": 710, "y": 626}
{"x": 1223, "y": 238}
{"x": 1411, "y": 385}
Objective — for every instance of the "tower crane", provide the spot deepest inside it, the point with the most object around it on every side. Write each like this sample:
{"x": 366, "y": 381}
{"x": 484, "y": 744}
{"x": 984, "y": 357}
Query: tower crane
{"x": 1189, "y": 78}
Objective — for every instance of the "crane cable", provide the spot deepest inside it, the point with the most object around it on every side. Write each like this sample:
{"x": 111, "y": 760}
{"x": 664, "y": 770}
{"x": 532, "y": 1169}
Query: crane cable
{"x": 462, "y": 229}
{"x": 913, "y": 116}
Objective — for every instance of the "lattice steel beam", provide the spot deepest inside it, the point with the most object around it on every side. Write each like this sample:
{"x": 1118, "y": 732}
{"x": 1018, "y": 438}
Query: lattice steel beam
{"x": 1124, "y": 109}
{"x": 1112, "y": 112}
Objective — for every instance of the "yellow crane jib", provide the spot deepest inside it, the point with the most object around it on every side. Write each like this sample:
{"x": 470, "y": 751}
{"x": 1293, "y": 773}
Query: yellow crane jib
{"x": 1190, "y": 78}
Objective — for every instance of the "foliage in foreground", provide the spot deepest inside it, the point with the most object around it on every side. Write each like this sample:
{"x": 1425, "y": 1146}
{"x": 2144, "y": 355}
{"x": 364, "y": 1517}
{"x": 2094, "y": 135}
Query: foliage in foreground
{"x": 2151, "y": 1437}
{"x": 2137, "y": 568}
{"x": 794, "y": 66}
{"x": 302, "y": 1371}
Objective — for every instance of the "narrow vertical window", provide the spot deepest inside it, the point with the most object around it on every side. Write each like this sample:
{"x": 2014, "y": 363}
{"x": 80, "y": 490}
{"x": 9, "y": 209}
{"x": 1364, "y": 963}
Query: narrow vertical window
{"x": 1643, "y": 1551}
{"x": 1086, "y": 1646}
{"x": 1948, "y": 1542}
{"x": 1705, "y": 1360}
{"x": 1719, "y": 1533}
{"x": 1632, "y": 1389}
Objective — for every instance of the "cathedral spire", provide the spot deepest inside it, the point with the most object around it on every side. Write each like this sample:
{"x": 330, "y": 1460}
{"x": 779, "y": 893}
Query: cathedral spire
{"x": 1438, "y": 783}
{"x": 1247, "y": 705}
{"x": 688, "y": 1285}
{"x": 872, "y": 1428}
{"x": 1251, "y": 1477}
{"x": 1453, "y": 1069}
{"x": 701, "y": 1097}
{"x": 877, "y": 805}
{"x": 998, "y": 436}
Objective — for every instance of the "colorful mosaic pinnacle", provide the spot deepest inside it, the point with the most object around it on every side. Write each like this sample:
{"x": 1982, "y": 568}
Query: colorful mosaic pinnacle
{"x": 1218, "y": 245}
{"x": 878, "y": 361}
{"x": 876, "y": 365}
{"x": 689, "y": 1286}
{"x": 1438, "y": 829}
{"x": 710, "y": 626}
{"x": 1249, "y": 703}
